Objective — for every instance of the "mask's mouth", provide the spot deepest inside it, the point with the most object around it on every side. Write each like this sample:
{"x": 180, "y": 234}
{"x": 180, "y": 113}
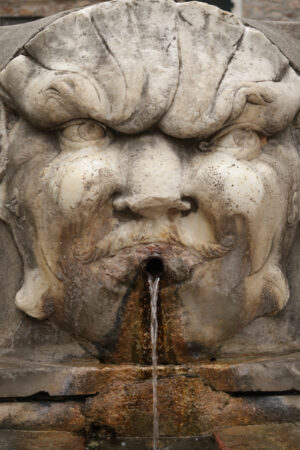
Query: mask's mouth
{"x": 171, "y": 261}
{"x": 154, "y": 267}
{"x": 209, "y": 250}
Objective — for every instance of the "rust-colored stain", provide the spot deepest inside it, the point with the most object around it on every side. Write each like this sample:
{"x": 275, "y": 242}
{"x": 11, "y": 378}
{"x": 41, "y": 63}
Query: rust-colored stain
{"x": 134, "y": 340}
{"x": 134, "y": 343}
{"x": 219, "y": 442}
{"x": 187, "y": 407}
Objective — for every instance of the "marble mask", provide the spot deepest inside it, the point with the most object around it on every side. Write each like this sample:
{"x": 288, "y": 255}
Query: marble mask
{"x": 139, "y": 129}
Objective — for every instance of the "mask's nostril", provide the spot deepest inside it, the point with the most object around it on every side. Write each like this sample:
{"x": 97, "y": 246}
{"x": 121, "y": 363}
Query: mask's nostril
{"x": 154, "y": 267}
{"x": 193, "y": 206}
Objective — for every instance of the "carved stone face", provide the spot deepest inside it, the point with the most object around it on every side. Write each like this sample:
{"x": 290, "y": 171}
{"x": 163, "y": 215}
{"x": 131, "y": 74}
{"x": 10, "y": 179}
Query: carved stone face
{"x": 151, "y": 129}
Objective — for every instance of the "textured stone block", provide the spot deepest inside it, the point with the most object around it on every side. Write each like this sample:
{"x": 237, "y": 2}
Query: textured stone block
{"x": 260, "y": 437}
{"x": 192, "y": 399}
{"x": 41, "y": 416}
{"x": 40, "y": 440}
{"x": 198, "y": 443}
{"x": 187, "y": 407}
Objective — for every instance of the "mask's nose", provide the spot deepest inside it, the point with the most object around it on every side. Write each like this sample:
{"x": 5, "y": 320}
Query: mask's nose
{"x": 154, "y": 184}
{"x": 152, "y": 207}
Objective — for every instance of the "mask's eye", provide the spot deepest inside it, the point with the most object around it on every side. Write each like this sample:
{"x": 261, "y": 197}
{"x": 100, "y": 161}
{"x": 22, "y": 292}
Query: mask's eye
{"x": 84, "y": 131}
{"x": 242, "y": 144}
{"x": 81, "y": 133}
{"x": 204, "y": 146}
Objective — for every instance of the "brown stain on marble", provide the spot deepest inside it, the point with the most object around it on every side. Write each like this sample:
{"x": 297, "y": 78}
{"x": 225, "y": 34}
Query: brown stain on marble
{"x": 134, "y": 340}
{"x": 187, "y": 407}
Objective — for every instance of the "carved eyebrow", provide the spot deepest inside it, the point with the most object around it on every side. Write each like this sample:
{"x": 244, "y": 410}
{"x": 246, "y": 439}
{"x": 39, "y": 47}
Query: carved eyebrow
{"x": 77, "y": 121}
{"x": 239, "y": 126}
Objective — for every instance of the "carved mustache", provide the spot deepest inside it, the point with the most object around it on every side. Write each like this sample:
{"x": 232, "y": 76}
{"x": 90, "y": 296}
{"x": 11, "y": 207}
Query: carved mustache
{"x": 143, "y": 233}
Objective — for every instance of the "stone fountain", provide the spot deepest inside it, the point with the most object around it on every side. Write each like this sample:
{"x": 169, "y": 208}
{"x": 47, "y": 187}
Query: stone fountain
{"x": 146, "y": 137}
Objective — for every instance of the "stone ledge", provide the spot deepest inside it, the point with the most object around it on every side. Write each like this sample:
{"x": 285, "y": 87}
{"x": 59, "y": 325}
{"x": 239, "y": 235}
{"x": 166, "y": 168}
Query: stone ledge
{"x": 116, "y": 400}
{"x": 267, "y": 374}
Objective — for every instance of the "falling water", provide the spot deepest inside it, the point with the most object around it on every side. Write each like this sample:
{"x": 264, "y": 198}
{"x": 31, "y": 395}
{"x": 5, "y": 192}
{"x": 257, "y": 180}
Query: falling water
{"x": 153, "y": 287}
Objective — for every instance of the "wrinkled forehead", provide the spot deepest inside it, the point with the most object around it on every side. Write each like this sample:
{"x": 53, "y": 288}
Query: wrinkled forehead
{"x": 189, "y": 68}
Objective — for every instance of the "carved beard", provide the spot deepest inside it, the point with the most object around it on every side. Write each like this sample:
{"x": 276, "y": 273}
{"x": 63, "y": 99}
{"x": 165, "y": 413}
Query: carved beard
{"x": 106, "y": 302}
{"x": 110, "y": 315}
{"x": 206, "y": 293}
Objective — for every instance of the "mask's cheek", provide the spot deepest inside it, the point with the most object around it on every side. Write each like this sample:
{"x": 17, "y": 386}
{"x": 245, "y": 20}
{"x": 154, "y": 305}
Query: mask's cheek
{"x": 77, "y": 188}
{"x": 81, "y": 182}
{"x": 226, "y": 188}
{"x": 214, "y": 306}
{"x": 254, "y": 197}
{"x": 71, "y": 190}
{"x": 92, "y": 302}
{"x": 212, "y": 301}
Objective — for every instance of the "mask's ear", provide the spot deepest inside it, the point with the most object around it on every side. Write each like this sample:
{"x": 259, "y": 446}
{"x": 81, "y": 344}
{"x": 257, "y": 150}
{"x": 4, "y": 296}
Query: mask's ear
{"x": 3, "y": 153}
{"x": 285, "y": 35}
{"x": 3, "y": 140}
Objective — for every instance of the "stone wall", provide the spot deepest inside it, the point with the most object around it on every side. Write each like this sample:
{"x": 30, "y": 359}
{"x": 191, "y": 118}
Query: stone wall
{"x": 38, "y": 8}
{"x": 256, "y": 9}
{"x": 272, "y": 9}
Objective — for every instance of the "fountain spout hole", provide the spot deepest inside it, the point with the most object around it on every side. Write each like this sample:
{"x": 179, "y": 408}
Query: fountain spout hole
{"x": 154, "y": 267}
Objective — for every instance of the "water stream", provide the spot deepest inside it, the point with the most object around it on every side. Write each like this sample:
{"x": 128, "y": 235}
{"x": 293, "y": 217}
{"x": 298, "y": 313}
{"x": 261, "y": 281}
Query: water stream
{"x": 153, "y": 287}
